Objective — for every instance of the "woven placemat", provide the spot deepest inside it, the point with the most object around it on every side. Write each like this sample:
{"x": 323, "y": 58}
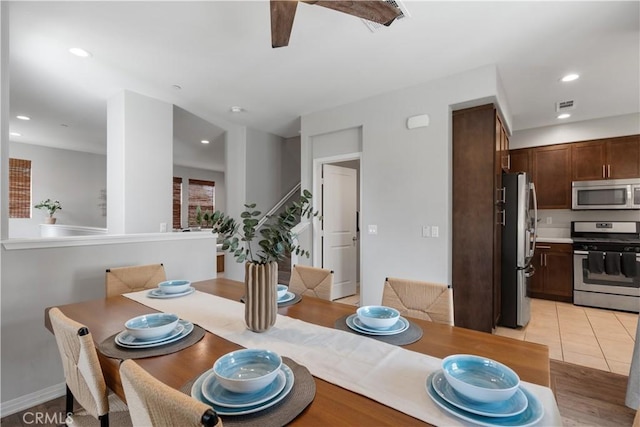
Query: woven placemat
{"x": 109, "y": 347}
{"x": 411, "y": 335}
{"x": 295, "y": 300}
{"x": 283, "y": 412}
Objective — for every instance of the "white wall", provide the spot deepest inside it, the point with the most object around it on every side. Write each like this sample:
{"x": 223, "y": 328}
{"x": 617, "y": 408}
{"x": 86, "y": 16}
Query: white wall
{"x": 290, "y": 163}
{"x": 607, "y": 127}
{"x": 139, "y": 163}
{"x": 406, "y": 174}
{"x": 33, "y": 279}
{"x": 264, "y": 169}
{"x": 187, "y": 173}
{"x": 73, "y": 177}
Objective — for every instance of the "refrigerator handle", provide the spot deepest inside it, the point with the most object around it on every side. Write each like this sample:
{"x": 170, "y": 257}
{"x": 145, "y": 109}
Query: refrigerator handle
{"x": 535, "y": 218}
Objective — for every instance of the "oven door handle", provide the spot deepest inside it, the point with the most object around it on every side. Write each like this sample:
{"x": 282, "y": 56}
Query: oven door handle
{"x": 581, "y": 253}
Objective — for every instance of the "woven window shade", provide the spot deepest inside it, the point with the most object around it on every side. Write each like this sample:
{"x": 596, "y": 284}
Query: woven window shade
{"x": 200, "y": 193}
{"x": 177, "y": 202}
{"x": 19, "y": 188}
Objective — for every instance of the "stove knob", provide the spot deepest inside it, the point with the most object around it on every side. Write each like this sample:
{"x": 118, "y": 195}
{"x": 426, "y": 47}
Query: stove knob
{"x": 585, "y": 247}
{"x": 593, "y": 247}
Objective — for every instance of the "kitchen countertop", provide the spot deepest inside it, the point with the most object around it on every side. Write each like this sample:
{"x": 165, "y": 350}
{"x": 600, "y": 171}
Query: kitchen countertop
{"x": 554, "y": 235}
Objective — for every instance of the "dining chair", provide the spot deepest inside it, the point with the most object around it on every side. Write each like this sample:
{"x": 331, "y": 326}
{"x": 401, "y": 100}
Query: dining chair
{"x": 312, "y": 281}
{"x": 422, "y": 300}
{"x": 121, "y": 280}
{"x": 153, "y": 403}
{"x": 83, "y": 376}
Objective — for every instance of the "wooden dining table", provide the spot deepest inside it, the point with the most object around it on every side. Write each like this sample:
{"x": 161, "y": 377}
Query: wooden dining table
{"x": 332, "y": 404}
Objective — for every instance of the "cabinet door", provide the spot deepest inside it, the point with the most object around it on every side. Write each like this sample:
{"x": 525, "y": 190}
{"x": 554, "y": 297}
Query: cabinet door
{"x": 536, "y": 284}
{"x": 588, "y": 161}
{"x": 552, "y": 176}
{"x": 520, "y": 160}
{"x": 559, "y": 277}
{"x": 623, "y": 157}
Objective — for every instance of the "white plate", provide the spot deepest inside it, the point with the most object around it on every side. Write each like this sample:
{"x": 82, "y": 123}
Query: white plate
{"x": 287, "y": 297}
{"x": 187, "y": 329}
{"x": 125, "y": 337}
{"x": 530, "y": 416}
{"x": 196, "y": 392}
{"x": 515, "y": 405}
{"x": 354, "y": 323}
{"x": 157, "y": 293}
{"x": 216, "y": 393}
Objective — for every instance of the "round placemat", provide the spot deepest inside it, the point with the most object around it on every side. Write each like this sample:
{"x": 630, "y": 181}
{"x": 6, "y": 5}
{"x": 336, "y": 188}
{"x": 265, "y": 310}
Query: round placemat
{"x": 295, "y": 300}
{"x": 109, "y": 347}
{"x": 283, "y": 412}
{"x": 411, "y": 335}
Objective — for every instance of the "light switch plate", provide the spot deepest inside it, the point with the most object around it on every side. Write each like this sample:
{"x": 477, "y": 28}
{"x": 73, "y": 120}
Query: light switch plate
{"x": 435, "y": 231}
{"x": 426, "y": 231}
{"x": 373, "y": 229}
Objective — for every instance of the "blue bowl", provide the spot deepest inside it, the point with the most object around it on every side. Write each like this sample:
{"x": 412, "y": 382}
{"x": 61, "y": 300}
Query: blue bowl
{"x": 152, "y": 326}
{"x": 247, "y": 371}
{"x": 174, "y": 286}
{"x": 282, "y": 290}
{"x": 378, "y": 316}
{"x": 479, "y": 378}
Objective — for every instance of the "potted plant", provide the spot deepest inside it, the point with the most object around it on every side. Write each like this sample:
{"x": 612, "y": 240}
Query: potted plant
{"x": 261, "y": 250}
{"x": 51, "y": 206}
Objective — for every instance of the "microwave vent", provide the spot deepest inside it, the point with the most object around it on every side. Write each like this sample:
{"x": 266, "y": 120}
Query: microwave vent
{"x": 374, "y": 26}
{"x": 565, "y": 105}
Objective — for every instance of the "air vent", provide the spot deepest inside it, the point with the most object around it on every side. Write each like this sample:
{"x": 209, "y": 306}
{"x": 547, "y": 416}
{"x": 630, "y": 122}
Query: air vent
{"x": 374, "y": 26}
{"x": 565, "y": 105}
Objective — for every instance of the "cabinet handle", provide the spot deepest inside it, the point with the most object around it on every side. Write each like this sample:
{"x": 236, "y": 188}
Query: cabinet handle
{"x": 542, "y": 247}
{"x": 609, "y": 171}
{"x": 545, "y": 260}
{"x": 604, "y": 175}
{"x": 541, "y": 260}
{"x": 502, "y": 215}
{"x": 508, "y": 161}
{"x": 500, "y": 195}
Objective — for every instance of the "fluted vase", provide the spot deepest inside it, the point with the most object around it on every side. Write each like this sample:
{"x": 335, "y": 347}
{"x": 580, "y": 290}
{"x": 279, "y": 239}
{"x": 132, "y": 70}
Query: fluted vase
{"x": 261, "y": 299}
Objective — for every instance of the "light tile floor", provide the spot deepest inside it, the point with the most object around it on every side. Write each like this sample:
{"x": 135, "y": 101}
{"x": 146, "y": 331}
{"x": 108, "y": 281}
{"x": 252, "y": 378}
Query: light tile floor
{"x": 597, "y": 338}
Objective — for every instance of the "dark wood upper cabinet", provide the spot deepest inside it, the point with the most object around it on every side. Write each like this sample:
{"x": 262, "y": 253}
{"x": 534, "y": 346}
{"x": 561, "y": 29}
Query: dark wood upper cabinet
{"x": 551, "y": 174}
{"x": 613, "y": 158}
{"x": 520, "y": 160}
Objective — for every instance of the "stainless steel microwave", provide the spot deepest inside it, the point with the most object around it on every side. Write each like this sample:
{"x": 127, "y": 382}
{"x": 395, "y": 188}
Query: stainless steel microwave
{"x": 606, "y": 194}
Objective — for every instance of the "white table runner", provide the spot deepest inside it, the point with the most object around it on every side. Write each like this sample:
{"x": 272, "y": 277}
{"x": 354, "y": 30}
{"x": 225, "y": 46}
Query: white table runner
{"x": 388, "y": 374}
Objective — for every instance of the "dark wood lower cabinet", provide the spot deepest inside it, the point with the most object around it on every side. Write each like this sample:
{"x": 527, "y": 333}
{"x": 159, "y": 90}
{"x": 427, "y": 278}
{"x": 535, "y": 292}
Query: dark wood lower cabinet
{"x": 553, "y": 278}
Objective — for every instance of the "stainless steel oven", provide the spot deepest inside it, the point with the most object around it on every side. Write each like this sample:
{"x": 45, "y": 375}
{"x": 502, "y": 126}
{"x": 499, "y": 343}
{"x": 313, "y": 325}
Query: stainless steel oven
{"x": 606, "y": 264}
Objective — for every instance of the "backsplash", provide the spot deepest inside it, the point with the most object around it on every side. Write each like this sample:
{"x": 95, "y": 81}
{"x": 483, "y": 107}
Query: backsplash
{"x": 561, "y": 218}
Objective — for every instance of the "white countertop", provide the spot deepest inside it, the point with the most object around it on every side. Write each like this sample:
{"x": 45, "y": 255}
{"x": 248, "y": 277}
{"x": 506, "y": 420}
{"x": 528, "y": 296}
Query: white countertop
{"x": 554, "y": 235}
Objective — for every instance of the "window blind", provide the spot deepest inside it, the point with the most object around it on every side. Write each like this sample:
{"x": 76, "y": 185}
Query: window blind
{"x": 19, "y": 188}
{"x": 177, "y": 202}
{"x": 201, "y": 193}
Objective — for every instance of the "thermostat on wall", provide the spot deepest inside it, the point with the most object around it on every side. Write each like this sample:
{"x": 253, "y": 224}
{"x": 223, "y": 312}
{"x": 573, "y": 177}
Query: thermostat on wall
{"x": 418, "y": 121}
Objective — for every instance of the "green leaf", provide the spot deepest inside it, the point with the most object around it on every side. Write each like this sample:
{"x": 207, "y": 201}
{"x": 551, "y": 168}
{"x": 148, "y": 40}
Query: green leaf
{"x": 240, "y": 258}
{"x": 245, "y": 214}
{"x": 250, "y": 206}
{"x": 255, "y": 213}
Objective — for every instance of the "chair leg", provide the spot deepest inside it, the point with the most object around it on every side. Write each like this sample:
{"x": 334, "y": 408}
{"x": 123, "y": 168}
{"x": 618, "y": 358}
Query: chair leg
{"x": 104, "y": 420}
{"x": 69, "y": 402}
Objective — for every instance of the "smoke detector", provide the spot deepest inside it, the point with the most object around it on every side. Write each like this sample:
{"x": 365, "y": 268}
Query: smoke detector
{"x": 374, "y": 26}
{"x": 565, "y": 105}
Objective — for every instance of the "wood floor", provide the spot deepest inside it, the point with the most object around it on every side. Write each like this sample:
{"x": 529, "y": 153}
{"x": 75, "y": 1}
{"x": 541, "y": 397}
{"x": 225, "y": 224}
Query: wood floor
{"x": 585, "y": 396}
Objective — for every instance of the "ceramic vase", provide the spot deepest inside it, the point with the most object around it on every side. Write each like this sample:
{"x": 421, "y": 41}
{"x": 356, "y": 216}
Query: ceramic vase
{"x": 50, "y": 220}
{"x": 261, "y": 299}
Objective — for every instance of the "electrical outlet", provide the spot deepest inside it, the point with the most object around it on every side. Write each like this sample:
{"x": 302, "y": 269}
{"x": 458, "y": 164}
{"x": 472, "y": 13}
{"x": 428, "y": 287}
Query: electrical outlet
{"x": 373, "y": 229}
{"x": 426, "y": 231}
{"x": 435, "y": 231}
{"x": 549, "y": 220}
{"x": 163, "y": 227}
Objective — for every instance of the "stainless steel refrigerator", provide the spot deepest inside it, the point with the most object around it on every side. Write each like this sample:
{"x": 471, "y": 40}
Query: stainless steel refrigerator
{"x": 518, "y": 246}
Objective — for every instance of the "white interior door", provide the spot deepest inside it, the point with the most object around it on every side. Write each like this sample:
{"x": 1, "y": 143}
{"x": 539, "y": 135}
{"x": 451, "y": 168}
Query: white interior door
{"x": 339, "y": 243}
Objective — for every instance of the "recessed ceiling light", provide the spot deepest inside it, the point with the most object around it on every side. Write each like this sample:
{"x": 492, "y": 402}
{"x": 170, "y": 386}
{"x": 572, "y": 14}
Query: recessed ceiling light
{"x": 236, "y": 109}
{"x": 80, "y": 52}
{"x": 15, "y": 134}
{"x": 205, "y": 141}
{"x": 23, "y": 117}
{"x": 570, "y": 77}
{"x": 564, "y": 116}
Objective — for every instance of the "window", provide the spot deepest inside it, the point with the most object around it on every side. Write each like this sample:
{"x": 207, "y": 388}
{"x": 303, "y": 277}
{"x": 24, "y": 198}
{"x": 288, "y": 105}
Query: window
{"x": 19, "y": 188}
{"x": 201, "y": 193}
{"x": 177, "y": 202}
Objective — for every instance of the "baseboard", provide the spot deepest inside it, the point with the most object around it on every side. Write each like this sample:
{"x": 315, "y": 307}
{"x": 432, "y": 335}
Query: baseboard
{"x": 32, "y": 399}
